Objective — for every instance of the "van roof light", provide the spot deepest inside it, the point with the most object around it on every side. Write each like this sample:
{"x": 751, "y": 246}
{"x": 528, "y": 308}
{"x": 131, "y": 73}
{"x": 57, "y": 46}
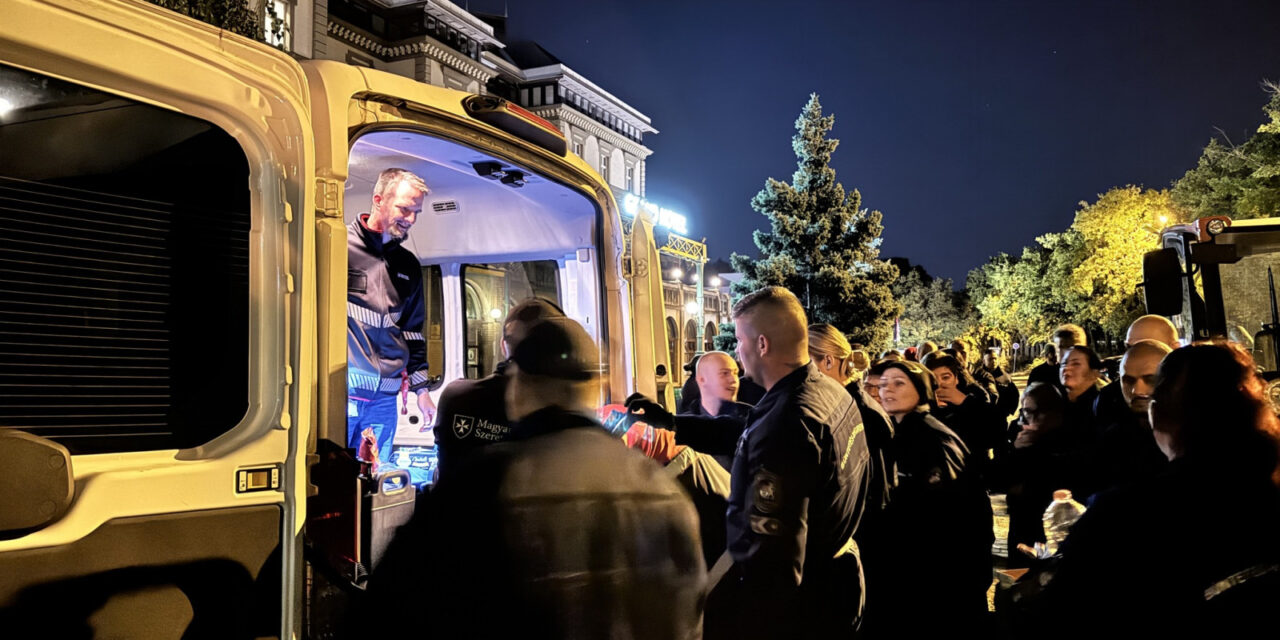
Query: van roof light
{"x": 519, "y": 122}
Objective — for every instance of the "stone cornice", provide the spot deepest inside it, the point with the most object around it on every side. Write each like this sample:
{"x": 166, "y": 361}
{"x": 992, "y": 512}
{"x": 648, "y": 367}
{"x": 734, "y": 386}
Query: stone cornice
{"x": 574, "y": 81}
{"x": 569, "y": 114}
{"x": 409, "y": 48}
{"x": 462, "y": 20}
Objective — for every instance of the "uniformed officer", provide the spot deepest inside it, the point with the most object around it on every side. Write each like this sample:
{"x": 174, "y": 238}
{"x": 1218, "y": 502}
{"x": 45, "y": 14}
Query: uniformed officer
{"x": 799, "y": 483}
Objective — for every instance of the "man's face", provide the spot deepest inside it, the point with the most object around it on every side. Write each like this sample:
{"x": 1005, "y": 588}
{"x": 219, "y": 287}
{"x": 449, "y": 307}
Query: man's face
{"x": 718, "y": 377}
{"x": 989, "y": 361}
{"x": 872, "y": 386}
{"x": 748, "y": 347}
{"x": 1138, "y": 379}
{"x": 396, "y": 211}
{"x": 1062, "y": 345}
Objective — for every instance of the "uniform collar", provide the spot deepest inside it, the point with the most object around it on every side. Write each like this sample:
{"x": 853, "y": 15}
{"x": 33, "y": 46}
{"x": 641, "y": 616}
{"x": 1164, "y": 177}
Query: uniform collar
{"x": 373, "y": 239}
{"x": 789, "y": 382}
{"x": 550, "y": 420}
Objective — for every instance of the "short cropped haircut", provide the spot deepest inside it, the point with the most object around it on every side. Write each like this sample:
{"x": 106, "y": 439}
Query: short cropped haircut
{"x": 1073, "y": 331}
{"x": 389, "y": 179}
{"x": 778, "y": 298}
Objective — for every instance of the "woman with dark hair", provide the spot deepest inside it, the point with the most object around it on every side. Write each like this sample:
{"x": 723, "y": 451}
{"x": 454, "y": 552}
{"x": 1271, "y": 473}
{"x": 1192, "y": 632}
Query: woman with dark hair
{"x": 938, "y": 524}
{"x": 1081, "y": 377}
{"x": 964, "y": 407}
{"x": 1190, "y": 553}
{"x": 1040, "y": 457}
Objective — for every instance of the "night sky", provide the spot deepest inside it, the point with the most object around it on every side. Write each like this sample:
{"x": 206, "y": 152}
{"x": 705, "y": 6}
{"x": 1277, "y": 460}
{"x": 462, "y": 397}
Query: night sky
{"x": 973, "y": 126}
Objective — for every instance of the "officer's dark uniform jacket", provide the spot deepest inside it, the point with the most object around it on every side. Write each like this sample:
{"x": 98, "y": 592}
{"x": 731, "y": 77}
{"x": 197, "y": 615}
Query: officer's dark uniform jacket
{"x": 560, "y": 532}
{"x": 799, "y": 485}
{"x": 384, "y": 314}
{"x": 471, "y": 414}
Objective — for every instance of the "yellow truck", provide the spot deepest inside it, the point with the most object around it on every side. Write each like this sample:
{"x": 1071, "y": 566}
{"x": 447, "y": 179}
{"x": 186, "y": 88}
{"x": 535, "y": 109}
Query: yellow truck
{"x": 173, "y": 310}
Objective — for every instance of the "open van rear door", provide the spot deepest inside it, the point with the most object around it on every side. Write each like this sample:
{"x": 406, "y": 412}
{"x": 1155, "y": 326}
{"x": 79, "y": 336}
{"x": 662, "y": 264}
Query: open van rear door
{"x": 157, "y": 316}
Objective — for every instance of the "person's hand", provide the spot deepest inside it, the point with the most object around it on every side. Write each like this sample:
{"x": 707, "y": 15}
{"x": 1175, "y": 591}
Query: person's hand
{"x": 1025, "y": 438}
{"x": 428, "y": 408}
{"x": 649, "y": 411}
{"x": 952, "y": 396}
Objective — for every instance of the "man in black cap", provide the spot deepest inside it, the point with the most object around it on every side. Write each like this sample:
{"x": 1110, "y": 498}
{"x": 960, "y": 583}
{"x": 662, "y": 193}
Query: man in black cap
{"x": 561, "y": 531}
{"x": 473, "y": 413}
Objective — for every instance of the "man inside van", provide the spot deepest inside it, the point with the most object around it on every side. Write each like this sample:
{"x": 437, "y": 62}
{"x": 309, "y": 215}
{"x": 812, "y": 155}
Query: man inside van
{"x": 385, "y": 345}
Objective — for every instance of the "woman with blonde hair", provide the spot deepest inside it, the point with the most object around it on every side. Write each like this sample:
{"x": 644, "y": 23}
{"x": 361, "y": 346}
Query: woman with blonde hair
{"x": 835, "y": 357}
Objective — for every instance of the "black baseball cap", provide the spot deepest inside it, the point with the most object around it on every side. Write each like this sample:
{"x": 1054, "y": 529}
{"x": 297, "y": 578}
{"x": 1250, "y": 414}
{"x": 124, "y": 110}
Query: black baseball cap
{"x": 558, "y": 348}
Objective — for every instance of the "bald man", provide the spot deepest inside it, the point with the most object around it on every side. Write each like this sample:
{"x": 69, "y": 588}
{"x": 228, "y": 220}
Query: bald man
{"x": 717, "y": 377}
{"x": 1109, "y": 407}
{"x": 1127, "y": 450}
{"x": 1152, "y": 327}
{"x": 799, "y": 483}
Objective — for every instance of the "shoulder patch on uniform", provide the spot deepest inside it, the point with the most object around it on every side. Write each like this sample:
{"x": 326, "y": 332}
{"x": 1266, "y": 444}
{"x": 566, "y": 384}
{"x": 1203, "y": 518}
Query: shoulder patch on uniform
{"x": 767, "y": 526}
{"x": 766, "y": 492}
{"x": 462, "y": 425}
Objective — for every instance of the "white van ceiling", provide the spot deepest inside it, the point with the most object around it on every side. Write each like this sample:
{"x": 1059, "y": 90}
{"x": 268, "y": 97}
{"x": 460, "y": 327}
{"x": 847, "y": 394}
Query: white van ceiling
{"x": 466, "y": 217}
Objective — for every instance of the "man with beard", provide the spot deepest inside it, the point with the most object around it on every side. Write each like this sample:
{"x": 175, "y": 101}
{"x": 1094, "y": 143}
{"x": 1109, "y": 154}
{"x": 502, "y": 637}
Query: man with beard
{"x": 1127, "y": 450}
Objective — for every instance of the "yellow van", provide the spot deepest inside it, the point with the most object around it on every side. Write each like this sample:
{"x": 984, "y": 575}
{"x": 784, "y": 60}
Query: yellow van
{"x": 172, "y": 310}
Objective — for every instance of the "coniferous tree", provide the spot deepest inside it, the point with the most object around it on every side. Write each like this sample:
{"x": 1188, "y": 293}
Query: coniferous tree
{"x": 821, "y": 244}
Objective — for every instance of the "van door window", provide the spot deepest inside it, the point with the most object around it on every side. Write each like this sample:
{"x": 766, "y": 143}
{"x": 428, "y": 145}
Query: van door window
{"x": 124, "y": 270}
{"x": 490, "y": 290}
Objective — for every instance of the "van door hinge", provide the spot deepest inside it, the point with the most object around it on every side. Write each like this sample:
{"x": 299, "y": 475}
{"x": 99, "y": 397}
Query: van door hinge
{"x": 329, "y": 197}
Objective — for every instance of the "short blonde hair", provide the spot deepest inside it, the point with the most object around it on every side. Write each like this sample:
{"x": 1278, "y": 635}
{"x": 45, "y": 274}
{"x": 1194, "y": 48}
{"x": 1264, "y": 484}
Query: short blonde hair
{"x": 389, "y": 179}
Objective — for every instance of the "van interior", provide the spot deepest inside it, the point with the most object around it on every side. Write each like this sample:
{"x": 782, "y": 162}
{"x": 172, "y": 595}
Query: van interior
{"x": 491, "y": 234}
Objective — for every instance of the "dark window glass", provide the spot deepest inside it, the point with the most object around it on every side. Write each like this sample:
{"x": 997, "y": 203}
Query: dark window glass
{"x": 489, "y": 291}
{"x": 124, "y": 270}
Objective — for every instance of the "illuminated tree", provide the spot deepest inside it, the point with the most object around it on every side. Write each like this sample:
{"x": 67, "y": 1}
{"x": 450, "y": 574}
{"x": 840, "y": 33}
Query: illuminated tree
{"x": 931, "y": 308}
{"x": 1241, "y": 181}
{"x": 821, "y": 244}
{"x": 1115, "y": 231}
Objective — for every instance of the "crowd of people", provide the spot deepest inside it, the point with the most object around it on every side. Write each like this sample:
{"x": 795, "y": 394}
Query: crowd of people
{"x": 803, "y": 489}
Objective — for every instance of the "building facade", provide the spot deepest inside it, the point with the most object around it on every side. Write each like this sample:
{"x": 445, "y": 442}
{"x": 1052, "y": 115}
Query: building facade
{"x": 443, "y": 44}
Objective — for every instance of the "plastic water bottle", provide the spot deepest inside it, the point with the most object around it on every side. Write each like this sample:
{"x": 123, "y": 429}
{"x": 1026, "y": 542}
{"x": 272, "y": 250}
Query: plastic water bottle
{"x": 1058, "y": 518}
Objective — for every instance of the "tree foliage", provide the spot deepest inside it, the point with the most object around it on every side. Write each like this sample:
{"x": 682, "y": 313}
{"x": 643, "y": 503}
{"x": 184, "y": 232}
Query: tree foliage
{"x": 931, "y": 308}
{"x": 1088, "y": 274}
{"x": 726, "y": 340}
{"x": 1241, "y": 181}
{"x": 821, "y": 244}
{"x": 1115, "y": 231}
{"x": 233, "y": 15}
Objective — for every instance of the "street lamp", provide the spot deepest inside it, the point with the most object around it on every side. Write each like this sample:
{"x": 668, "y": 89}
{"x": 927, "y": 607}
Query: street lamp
{"x": 677, "y": 273}
{"x": 715, "y": 281}
{"x": 1164, "y": 220}
{"x": 692, "y": 308}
